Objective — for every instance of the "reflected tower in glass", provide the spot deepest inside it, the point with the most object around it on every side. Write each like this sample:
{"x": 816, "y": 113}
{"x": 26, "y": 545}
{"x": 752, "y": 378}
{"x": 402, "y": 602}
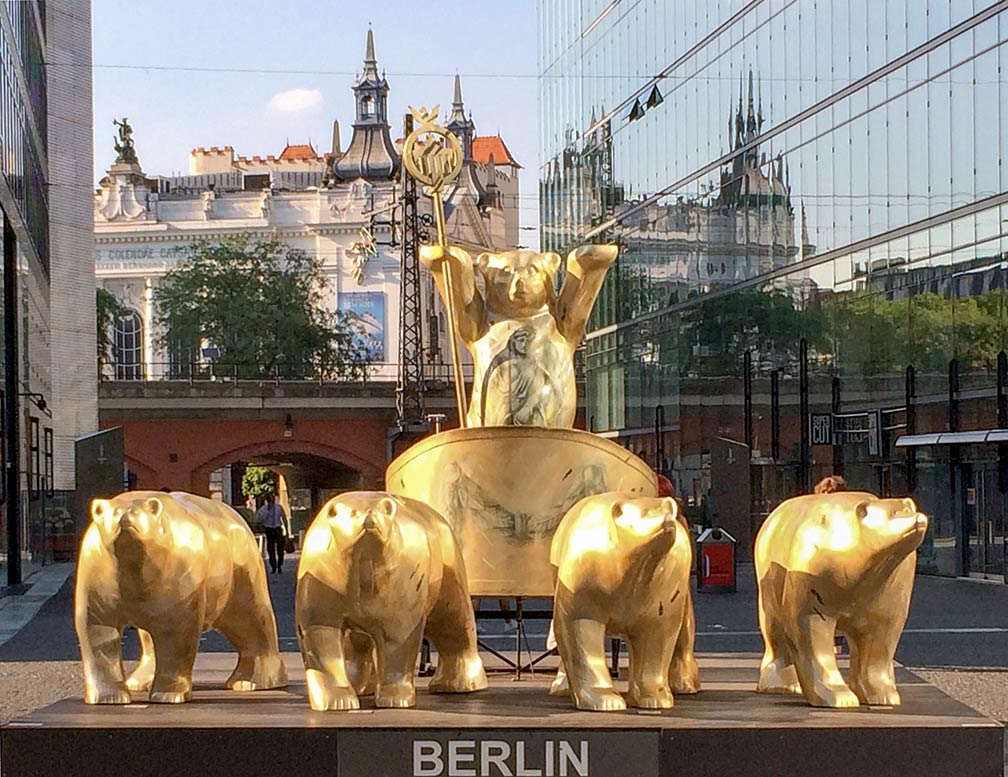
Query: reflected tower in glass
{"x": 810, "y": 200}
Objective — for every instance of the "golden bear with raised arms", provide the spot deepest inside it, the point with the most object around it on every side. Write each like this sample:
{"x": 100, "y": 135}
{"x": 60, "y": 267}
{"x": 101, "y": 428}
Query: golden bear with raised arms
{"x": 172, "y": 565}
{"x": 622, "y": 567}
{"x": 377, "y": 572}
{"x": 835, "y": 562}
{"x": 521, "y": 333}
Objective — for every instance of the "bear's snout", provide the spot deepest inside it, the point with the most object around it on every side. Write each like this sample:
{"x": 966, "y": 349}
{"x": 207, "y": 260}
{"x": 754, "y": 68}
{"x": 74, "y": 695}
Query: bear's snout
{"x": 375, "y": 524}
{"x": 135, "y": 523}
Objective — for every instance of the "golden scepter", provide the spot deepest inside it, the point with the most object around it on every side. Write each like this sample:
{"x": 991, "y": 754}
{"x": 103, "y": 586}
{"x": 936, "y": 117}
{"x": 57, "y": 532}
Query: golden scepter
{"x": 433, "y": 157}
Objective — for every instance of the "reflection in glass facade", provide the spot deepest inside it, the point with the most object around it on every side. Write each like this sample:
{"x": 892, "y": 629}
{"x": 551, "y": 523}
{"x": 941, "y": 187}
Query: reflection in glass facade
{"x": 24, "y": 202}
{"x": 24, "y": 125}
{"x": 810, "y": 199}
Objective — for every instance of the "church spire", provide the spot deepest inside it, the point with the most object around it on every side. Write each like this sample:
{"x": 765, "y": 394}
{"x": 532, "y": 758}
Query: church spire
{"x": 371, "y": 153}
{"x": 458, "y": 109}
{"x": 370, "y": 61}
{"x": 462, "y": 127}
{"x": 750, "y": 111}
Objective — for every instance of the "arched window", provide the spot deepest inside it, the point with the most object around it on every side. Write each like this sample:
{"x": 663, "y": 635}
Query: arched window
{"x": 128, "y": 347}
{"x": 367, "y": 107}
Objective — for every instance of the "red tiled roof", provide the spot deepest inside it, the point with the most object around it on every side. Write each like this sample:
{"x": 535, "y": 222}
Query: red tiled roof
{"x": 304, "y": 151}
{"x": 483, "y": 147}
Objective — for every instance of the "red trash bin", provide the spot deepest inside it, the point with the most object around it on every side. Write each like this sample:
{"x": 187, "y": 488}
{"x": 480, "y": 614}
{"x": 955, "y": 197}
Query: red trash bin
{"x": 716, "y": 564}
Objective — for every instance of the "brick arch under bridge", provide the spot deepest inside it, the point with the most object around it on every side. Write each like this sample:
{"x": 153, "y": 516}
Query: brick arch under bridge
{"x": 180, "y": 453}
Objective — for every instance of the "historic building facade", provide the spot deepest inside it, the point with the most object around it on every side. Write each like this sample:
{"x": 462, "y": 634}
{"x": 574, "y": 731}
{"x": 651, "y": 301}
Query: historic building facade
{"x": 820, "y": 288}
{"x": 49, "y": 396}
{"x": 342, "y": 204}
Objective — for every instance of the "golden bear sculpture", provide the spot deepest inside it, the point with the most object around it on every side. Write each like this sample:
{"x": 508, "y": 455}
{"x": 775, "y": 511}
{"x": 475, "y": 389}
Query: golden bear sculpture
{"x": 376, "y": 571}
{"x": 172, "y": 565}
{"x": 622, "y": 567}
{"x": 835, "y": 562}
{"x": 522, "y": 335}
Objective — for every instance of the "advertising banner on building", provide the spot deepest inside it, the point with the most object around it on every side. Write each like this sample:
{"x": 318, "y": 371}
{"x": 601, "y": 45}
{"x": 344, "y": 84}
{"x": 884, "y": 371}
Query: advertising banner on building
{"x": 367, "y": 312}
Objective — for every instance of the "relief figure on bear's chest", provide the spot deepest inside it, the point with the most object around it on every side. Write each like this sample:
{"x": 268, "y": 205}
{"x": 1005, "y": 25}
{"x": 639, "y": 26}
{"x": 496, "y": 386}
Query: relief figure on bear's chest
{"x": 522, "y": 334}
{"x": 524, "y": 382}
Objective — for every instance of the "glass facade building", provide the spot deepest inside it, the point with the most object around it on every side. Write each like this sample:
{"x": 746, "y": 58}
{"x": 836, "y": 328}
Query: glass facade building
{"x": 811, "y": 201}
{"x": 48, "y": 397}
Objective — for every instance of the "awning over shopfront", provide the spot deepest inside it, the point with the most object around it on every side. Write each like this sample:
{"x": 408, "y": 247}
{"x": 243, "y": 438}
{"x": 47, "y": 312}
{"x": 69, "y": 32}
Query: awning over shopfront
{"x": 977, "y": 437}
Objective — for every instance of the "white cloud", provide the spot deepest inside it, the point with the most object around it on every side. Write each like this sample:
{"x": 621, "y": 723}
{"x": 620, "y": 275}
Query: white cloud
{"x": 295, "y": 100}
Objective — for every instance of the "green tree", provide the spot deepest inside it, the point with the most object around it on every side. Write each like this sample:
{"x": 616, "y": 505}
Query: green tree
{"x": 261, "y": 303}
{"x": 107, "y": 309}
{"x": 767, "y": 322}
{"x": 258, "y": 481}
{"x": 874, "y": 335}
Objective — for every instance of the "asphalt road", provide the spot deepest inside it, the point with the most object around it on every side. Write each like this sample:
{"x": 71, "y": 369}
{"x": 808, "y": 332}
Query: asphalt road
{"x": 952, "y": 623}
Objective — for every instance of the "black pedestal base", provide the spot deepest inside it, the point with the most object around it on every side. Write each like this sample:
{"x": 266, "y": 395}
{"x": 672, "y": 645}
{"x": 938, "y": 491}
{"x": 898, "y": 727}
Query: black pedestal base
{"x": 514, "y": 729}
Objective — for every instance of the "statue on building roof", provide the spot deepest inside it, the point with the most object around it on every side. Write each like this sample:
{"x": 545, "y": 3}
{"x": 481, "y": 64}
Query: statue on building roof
{"x": 124, "y": 143}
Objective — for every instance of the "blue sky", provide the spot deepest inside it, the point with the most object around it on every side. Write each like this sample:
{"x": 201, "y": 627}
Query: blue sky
{"x": 140, "y": 47}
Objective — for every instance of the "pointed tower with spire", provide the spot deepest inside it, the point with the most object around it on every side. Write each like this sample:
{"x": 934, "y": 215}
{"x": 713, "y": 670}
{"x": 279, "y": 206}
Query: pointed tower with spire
{"x": 371, "y": 154}
{"x": 462, "y": 127}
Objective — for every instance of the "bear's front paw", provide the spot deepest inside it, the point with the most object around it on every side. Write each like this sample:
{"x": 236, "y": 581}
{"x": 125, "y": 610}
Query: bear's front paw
{"x": 881, "y": 694}
{"x": 170, "y": 697}
{"x": 139, "y": 682}
{"x": 338, "y": 699}
{"x": 461, "y": 675}
{"x": 651, "y": 698}
{"x": 263, "y": 673}
{"x": 325, "y": 694}
{"x": 599, "y": 700}
{"x": 838, "y": 697}
{"x": 116, "y": 696}
{"x": 595, "y": 257}
{"x": 432, "y": 254}
{"x": 686, "y": 676}
{"x": 560, "y": 686}
{"x": 776, "y": 677}
{"x": 396, "y": 695}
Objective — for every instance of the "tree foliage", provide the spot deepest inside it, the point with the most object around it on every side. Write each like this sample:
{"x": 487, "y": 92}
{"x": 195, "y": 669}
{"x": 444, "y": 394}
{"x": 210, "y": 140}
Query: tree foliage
{"x": 258, "y": 481}
{"x": 262, "y": 304}
{"x": 107, "y": 310}
{"x": 716, "y": 333}
{"x": 860, "y": 332}
{"x": 873, "y": 335}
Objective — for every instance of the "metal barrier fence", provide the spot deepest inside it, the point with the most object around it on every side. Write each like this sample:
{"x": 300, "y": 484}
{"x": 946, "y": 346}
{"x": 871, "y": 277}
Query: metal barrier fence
{"x": 192, "y": 372}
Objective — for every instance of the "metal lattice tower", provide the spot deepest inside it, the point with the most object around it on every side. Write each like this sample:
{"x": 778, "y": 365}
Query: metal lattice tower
{"x": 410, "y": 391}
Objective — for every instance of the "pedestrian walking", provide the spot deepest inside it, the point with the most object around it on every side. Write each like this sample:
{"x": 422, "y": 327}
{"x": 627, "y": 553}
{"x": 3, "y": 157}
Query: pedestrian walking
{"x": 274, "y": 521}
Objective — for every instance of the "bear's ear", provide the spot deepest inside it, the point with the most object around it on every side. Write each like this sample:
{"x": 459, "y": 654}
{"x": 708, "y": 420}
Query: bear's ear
{"x": 909, "y": 505}
{"x": 387, "y": 507}
{"x": 100, "y": 508}
{"x": 102, "y": 513}
{"x": 154, "y": 507}
{"x": 483, "y": 261}
{"x": 550, "y": 262}
{"x": 861, "y": 511}
{"x": 332, "y": 508}
{"x": 671, "y": 506}
{"x": 617, "y": 508}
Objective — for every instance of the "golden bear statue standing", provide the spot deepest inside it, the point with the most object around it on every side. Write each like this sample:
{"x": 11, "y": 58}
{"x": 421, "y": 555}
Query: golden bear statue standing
{"x": 522, "y": 335}
{"x": 835, "y": 562}
{"x": 623, "y": 567}
{"x": 377, "y": 571}
{"x": 172, "y": 565}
